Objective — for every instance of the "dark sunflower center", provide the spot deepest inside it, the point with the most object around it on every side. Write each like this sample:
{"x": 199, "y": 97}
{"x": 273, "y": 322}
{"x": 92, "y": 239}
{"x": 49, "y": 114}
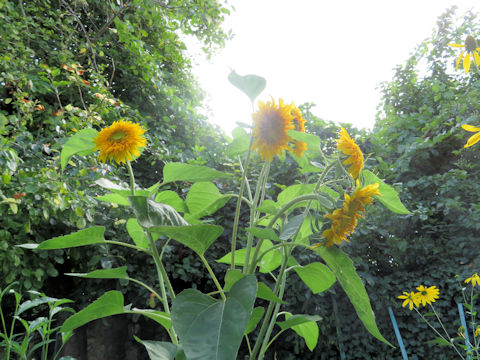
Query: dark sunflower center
{"x": 424, "y": 293}
{"x": 471, "y": 43}
{"x": 118, "y": 136}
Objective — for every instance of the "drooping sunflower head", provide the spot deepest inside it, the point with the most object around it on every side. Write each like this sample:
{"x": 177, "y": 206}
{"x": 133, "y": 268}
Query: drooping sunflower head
{"x": 471, "y": 49}
{"x": 355, "y": 156}
{"x": 474, "y": 279}
{"x": 120, "y": 142}
{"x": 271, "y": 124}
{"x": 410, "y": 299}
{"x": 298, "y": 146}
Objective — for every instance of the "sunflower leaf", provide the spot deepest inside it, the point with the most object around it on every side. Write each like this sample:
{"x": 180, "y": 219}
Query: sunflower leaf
{"x": 250, "y": 85}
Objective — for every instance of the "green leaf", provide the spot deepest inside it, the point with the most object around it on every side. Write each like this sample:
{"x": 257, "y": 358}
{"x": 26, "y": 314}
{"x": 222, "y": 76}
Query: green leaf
{"x": 110, "y": 303}
{"x": 439, "y": 341}
{"x": 158, "y": 316}
{"x": 159, "y": 350}
{"x": 268, "y": 207}
{"x": 292, "y": 226}
{"x": 257, "y": 315}
{"x": 115, "y": 273}
{"x": 238, "y": 146}
{"x": 231, "y": 277}
{"x": 250, "y": 85}
{"x": 196, "y": 237}
{"x": 114, "y": 199}
{"x": 305, "y": 326}
{"x": 343, "y": 268}
{"x": 312, "y": 141}
{"x": 137, "y": 233}
{"x": 211, "y": 329}
{"x": 264, "y": 233}
{"x": 316, "y": 276}
{"x": 80, "y": 143}
{"x": 389, "y": 196}
{"x": 264, "y": 292}
{"x": 192, "y": 173}
{"x": 171, "y": 198}
{"x": 33, "y": 303}
{"x": 150, "y": 213}
{"x": 93, "y": 235}
{"x": 269, "y": 262}
{"x": 204, "y": 199}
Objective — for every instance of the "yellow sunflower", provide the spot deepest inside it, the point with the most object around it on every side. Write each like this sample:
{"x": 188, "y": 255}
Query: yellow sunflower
{"x": 299, "y": 146}
{"x": 271, "y": 124}
{"x": 477, "y": 331}
{"x": 427, "y": 295}
{"x": 355, "y": 157}
{"x": 471, "y": 47}
{"x": 120, "y": 142}
{"x": 344, "y": 220}
{"x": 410, "y": 299}
{"x": 474, "y": 279}
{"x": 474, "y": 138}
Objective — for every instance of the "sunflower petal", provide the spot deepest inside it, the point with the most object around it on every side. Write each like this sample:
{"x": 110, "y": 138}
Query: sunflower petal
{"x": 456, "y": 45}
{"x": 466, "y": 63}
{"x": 460, "y": 59}
{"x": 470, "y": 128}
{"x": 476, "y": 57}
{"x": 473, "y": 140}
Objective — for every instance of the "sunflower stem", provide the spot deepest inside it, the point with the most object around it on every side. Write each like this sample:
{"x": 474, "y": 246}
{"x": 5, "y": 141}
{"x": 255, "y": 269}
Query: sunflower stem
{"x": 132, "y": 178}
{"x": 253, "y": 214}
{"x": 239, "y": 203}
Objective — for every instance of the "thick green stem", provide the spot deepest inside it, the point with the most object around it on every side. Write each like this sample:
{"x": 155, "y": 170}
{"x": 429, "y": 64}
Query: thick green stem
{"x": 132, "y": 178}
{"x": 239, "y": 203}
{"x": 253, "y": 211}
{"x": 127, "y": 245}
{"x": 158, "y": 264}
{"x": 269, "y": 311}
{"x": 214, "y": 278}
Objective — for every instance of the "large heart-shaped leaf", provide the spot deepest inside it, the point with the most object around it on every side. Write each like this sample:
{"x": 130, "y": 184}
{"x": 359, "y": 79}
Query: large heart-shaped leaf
{"x": 192, "y": 173}
{"x": 211, "y": 329}
{"x": 389, "y": 196}
{"x": 89, "y": 236}
{"x": 137, "y": 233}
{"x": 250, "y": 85}
{"x": 304, "y": 325}
{"x": 171, "y": 198}
{"x": 150, "y": 213}
{"x": 196, "y": 237}
{"x": 80, "y": 143}
{"x": 204, "y": 199}
{"x": 159, "y": 350}
{"x": 316, "y": 276}
{"x": 343, "y": 268}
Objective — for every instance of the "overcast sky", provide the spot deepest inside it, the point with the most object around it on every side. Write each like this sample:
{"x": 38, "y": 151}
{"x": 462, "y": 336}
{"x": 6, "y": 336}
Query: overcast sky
{"x": 331, "y": 53}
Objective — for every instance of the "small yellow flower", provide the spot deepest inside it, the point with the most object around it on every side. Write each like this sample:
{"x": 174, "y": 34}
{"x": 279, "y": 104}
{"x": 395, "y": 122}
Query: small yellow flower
{"x": 427, "y": 295}
{"x": 461, "y": 332}
{"x": 477, "y": 331}
{"x": 120, "y": 142}
{"x": 475, "y": 279}
{"x": 344, "y": 220}
{"x": 271, "y": 124}
{"x": 410, "y": 299}
{"x": 471, "y": 47}
{"x": 355, "y": 157}
{"x": 474, "y": 138}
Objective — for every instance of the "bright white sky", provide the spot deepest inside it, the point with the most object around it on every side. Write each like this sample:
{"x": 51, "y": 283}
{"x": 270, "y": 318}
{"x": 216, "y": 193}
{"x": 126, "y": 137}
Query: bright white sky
{"x": 331, "y": 53}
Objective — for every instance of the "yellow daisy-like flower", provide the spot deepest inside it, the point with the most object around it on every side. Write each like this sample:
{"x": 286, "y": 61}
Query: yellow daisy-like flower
{"x": 271, "y": 124}
{"x": 471, "y": 48}
{"x": 474, "y": 138}
{"x": 355, "y": 157}
{"x": 299, "y": 146}
{"x": 410, "y": 299}
{"x": 344, "y": 220}
{"x": 120, "y": 142}
{"x": 474, "y": 279}
{"x": 427, "y": 295}
{"x": 477, "y": 331}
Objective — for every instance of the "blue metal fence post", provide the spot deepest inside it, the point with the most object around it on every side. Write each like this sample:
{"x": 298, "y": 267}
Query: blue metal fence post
{"x": 397, "y": 333}
{"x": 464, "y": 324}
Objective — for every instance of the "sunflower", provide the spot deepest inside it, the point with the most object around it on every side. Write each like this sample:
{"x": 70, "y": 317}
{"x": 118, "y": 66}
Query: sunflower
{"x": 120, "y": 142}
{"x": 471, "y": 47}
{"x": 477, "y": 331}
{"x": 475, "y": 279}
{"x": 271, "y": 124}
{"x": 355, "y": 157}
{"x": 299, "y": 146}
{"x": 410, "y": 299}
{"x": 474, "y": 138}
{"x": 427, "y": 295}
{"x": 344, "y": 220}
